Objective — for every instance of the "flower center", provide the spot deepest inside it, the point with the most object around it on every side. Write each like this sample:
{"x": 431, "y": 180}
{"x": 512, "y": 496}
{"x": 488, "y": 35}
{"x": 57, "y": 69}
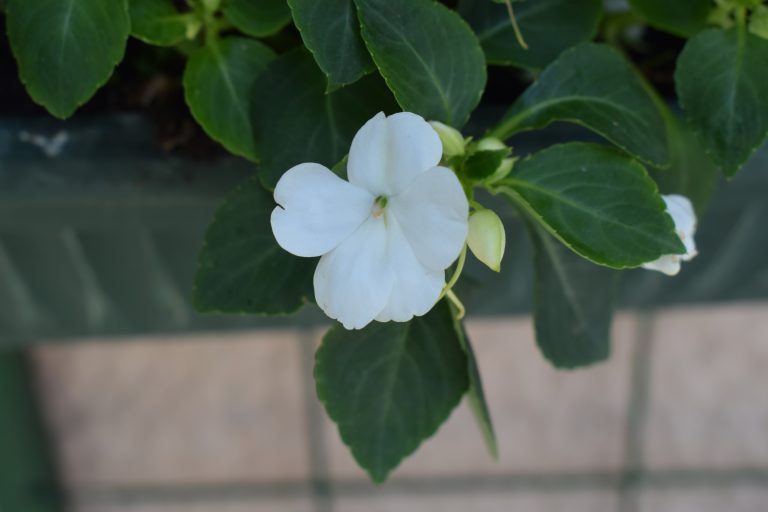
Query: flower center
{"x": 379, "y": 205}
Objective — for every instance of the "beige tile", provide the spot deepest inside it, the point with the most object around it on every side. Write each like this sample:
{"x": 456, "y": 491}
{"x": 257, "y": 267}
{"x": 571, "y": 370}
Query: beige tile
{"x": 205, "y": 409}
{"x": 485, "y": 501}
{"x": 708, "y": 401}
{"x": 546, "y": 420}
{"x": 731, "y": 499}
{"x": 287, "y": 505}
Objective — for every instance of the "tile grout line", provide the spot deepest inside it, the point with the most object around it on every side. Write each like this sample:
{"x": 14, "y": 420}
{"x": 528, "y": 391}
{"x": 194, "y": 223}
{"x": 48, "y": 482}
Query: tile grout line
{"x": 637, "y": 413}
{"x": 321, "y": 485}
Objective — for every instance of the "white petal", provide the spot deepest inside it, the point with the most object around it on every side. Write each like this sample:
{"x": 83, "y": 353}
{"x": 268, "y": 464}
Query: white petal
{"x": 354, "y": 281}
{"x": 387, "y": 153}
{"x": 433, "y": 214}
{"x": 682, "y": 213}
{"x": 684, "y": 217}
{"x": 317, "y": 211}
{"x": 416, "y": 288}
{"x": 669, "y": 264}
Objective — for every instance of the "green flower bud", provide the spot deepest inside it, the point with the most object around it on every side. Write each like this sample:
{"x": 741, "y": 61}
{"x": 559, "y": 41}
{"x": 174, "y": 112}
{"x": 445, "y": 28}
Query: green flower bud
{"x": 490, "y": 144}
{"x": 503, "y": 170}
{"x": 487, "y": 239}
{"x": 211, "y": 6}
{"x": 453, "y": 141}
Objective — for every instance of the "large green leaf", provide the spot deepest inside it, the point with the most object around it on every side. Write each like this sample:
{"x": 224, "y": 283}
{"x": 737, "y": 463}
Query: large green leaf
{"x": 391, "y": 385}
{"x": 258, "y": 18}
{"x": 295, "y": 121}
{"x": 66, "y": 49}
{"x": 241, "y": 269}
{"x": 330, "y": 30}
{"x": 597, "y": 201}
{"x": 573, "y": 303}
{"x": 592, "y": 85}
{"x": 218, "y": 82}
{"x": 722, "y": 82}
{"x": 682, "y": 17}
{"x": 428, "y": 55}
{"x": 158, "y": 22}
{"x": 548, "y": 26}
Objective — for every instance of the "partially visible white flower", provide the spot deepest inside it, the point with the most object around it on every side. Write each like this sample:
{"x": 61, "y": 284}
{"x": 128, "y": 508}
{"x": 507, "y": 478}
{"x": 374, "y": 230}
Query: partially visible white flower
{"x": 681, "y": 211}
{"x": 387, "y": 235}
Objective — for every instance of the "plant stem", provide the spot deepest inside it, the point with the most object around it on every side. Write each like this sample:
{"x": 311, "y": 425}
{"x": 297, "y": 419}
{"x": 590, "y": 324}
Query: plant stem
{"x": 515, "y": 27}
{"x": 460, "y": 310}
{"x": 456, "y": 273}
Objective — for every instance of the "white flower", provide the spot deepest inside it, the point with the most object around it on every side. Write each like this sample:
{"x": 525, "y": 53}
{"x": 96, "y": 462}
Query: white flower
{"x": 681, "y": 211}
{"x": 386, "y": 236}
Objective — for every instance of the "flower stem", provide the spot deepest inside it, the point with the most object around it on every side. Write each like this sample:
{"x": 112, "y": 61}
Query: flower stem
{"x": 460, "y": 311}
{"x": 456, "y": 273}
{"x": 515, "y": 27}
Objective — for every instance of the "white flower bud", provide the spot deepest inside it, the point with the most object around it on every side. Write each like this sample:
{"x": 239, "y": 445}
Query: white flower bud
{"x": 487, "y": 239}
{"x": 453, "y": 141}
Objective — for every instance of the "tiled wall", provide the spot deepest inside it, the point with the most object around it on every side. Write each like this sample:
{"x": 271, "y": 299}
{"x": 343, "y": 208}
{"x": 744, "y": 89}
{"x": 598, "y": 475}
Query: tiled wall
{"x": 677, "y": 421}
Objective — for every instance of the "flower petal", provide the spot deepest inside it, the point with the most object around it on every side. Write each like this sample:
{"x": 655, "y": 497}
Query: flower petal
{"x": 416, "y": 288}
{"x": 317, "y": 211}
{"x": 682, "y": 213}
{"x": 433, "y": 214}
{"x": 669, "y": 264}
{"x": 387, "y": 153}
{"x": 684, "y": 217}
{"x": 354, "y": 281}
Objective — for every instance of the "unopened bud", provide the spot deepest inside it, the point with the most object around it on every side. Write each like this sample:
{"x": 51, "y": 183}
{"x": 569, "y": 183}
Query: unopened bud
{"x": 211, "y": 5}
{"x": 487, "y": 239}
{"x": 453, "y": 141}
{"x": 490, "y": 144}
{"x": 503, "y": 170}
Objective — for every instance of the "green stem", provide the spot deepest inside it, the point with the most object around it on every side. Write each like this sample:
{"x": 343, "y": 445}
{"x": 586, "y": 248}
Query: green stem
{"x": 456, "y": 273}
{"x": 741, "y": 18}
{"x": 460, "y": 310}
{"x": 515, "y": 27}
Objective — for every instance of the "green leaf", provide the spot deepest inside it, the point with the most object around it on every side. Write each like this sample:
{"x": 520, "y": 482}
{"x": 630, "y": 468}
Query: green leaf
{"x": 158, "y": 22}
{"x": 681, "y": 17}
{"x": 295, "y": 121}
{"x": 573, "y": 303}
{"x": 597, "y": 201}
{"x": 258, "y": 18}
{"x": 391, "y": 385}
{"x": 427, "y": 54}
{"x": 475, "y": 393}
{"x": 66, "y": 49}
{"x": 722, "y": 82}
{"x": 218, "y": 81}
{"x": 548, "y": 26}
{"x": 592, "y": 85}
{"x": 330, "y": 30}
{"x": 241, "y": 269}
